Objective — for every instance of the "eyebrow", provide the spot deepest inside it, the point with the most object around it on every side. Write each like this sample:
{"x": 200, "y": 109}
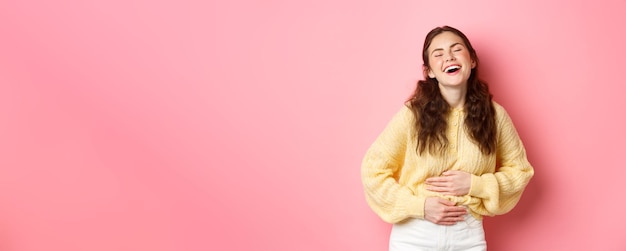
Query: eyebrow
{"x": 441, "y": 49}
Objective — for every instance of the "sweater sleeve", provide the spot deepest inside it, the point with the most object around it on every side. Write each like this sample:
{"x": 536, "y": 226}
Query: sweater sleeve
{"x": 392, "y": 201}
{"x": 500, "y": 191}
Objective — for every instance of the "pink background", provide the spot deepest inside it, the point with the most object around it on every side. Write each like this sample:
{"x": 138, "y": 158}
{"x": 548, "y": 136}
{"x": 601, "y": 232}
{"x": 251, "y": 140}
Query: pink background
{"x": 241, "y": 125}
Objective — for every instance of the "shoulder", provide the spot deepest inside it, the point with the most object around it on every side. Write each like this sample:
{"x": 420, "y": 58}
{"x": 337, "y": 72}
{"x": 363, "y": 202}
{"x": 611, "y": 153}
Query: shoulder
{"x": 403, "y": 118}
{"x": 500, "y": 111}
{"x": 503, "y": 120}
{"x": 407, "y": 113}
{"x": 499, "y": 108}
{"x": 405, "y": 109}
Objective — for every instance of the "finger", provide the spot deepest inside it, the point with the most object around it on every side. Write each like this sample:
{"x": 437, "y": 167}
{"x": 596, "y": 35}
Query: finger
{"x": 454, "y": 219}
{"x": 437, "y": 189}
{"x": 451, "y": 207}
{"x": 456, "y": 214}
{"x": 433, "y": 180}
{"x": 455, "y": 209}
{"x": 450, "y": 172}
{"x": 445, "y": 222}
{"x": 448, "y": 221}
{"x": 447, "y": 203}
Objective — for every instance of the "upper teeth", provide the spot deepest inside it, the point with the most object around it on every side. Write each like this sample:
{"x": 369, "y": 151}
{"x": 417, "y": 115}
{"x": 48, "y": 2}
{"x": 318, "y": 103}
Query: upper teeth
{"x": 451, "y": 68}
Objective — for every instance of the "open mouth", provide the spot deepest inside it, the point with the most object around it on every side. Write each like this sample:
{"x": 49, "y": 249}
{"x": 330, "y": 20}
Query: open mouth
{"x": 452, "y": 68}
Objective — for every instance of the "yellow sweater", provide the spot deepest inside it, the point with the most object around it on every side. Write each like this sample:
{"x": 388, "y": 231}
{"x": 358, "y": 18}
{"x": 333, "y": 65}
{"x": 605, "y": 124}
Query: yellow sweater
{"x": 393, "y": 174}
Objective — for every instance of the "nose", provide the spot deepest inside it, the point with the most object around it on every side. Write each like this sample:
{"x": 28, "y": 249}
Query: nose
{"x": 449, "y": 57}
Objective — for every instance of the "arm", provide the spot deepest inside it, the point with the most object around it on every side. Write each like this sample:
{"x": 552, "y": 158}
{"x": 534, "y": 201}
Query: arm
{"x": 387, "y": 198}
{"x": 500, "y": 191}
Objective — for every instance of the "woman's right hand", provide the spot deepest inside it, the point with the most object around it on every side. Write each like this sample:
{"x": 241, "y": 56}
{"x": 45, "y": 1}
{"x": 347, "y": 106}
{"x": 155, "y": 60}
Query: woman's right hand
{"x": 443, "y": 212}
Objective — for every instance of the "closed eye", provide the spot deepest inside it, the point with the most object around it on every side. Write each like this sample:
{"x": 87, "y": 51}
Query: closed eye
{"x": 457, "y": 47}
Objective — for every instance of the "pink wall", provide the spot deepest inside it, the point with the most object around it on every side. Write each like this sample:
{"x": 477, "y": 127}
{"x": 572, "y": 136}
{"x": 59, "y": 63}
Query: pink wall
{"x": 241, "y": 125}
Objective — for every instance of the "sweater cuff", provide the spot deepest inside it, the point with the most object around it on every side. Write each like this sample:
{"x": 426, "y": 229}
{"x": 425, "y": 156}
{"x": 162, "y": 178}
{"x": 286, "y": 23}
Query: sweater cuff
{"x": 477, "y": 187}
{"x": 416, "y": 207}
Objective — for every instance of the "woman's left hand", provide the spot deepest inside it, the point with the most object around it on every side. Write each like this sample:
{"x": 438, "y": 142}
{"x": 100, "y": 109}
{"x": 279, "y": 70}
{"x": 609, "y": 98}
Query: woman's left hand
{"x": 455, "y": 183}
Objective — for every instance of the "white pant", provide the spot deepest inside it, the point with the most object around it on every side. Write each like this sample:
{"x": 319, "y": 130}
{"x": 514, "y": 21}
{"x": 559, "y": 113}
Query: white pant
{"x": 417, "y": 234}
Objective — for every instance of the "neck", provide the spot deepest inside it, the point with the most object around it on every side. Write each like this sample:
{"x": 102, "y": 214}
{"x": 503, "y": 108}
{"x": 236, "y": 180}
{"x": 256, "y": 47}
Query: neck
{"x": 454, "y": 95}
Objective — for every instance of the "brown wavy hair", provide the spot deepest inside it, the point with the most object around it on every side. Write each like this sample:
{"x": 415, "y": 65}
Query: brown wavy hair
{"x": 431, "y": 109}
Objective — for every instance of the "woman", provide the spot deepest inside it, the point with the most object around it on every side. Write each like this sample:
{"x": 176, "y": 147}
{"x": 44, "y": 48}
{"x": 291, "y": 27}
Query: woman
{"x": 450, "y": 156}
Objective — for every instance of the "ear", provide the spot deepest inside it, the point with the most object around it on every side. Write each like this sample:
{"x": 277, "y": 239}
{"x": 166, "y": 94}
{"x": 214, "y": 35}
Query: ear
{"x": 428, "y": 71}
{"x": 431, "y": 74}
{"x": 473, "y": 64}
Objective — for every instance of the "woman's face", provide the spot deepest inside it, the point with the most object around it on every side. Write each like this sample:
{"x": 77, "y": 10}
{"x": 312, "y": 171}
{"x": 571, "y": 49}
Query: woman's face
{"x": 449, "y": 60}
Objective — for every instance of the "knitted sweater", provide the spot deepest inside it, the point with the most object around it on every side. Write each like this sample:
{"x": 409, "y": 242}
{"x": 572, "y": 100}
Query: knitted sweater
{"x": 394, "y": 175}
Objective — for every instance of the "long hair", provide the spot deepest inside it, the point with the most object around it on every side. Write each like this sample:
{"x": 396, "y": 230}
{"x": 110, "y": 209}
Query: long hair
{"x": 431, "y": 109}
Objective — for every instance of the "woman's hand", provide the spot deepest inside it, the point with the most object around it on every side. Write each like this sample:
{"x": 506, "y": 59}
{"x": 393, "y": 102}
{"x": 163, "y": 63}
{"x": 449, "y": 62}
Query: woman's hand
{"x": 455, "y": 183}
{"x": 443, "y": 212}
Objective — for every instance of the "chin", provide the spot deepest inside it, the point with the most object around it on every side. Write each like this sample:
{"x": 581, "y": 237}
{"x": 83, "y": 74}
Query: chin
{"x": 456, "y": 84}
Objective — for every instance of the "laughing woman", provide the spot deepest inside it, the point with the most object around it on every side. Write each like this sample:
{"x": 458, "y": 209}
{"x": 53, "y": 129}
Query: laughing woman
{"x": 450, "y": 156}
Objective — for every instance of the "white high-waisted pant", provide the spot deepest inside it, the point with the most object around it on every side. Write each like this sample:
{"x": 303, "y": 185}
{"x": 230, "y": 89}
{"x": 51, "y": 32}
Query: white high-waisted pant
{"x": 417, "y": 234}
